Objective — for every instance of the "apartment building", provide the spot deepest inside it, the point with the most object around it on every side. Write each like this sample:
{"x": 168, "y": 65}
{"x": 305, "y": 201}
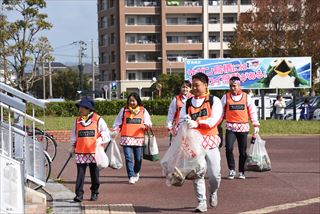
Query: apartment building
{"x": 141, "y": 39}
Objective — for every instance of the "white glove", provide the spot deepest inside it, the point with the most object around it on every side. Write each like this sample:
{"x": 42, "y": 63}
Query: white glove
{"x": 187, "y": 117}
{"x": 256, "y": 130}
{"x": 192, "y": 124}
{"x": 113, "y": 134}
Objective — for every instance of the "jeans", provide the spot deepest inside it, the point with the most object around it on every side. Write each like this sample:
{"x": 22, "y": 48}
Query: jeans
{"x": 213, "y": 170}
{"x": 242, "y": 147}
{"x": 133, "y": 167}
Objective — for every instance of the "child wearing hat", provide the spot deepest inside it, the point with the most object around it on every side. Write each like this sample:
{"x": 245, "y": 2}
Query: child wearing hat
{"x": 88, "y": 131}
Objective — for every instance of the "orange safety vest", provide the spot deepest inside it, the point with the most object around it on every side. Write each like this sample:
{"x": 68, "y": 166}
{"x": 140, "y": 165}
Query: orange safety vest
{"x": 179, "y": 104}
{"x": 86, "y": 136}
{"x": 236, "y": 111}
{"x": 133, "y": 127}
{"x": 201, "y": 113}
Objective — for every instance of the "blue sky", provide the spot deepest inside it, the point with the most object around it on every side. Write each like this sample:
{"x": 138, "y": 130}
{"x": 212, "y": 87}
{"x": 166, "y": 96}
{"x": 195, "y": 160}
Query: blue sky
{"x": 72, "y": 20}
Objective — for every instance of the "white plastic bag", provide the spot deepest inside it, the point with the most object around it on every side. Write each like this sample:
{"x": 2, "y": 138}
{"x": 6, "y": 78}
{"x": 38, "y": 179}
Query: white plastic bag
{"x": 258, "y": 159}
{"x": 101, "y": 157}
{"x": 185, "y": 158}
{"x": 113, "y": 153}
{"x": 150, "y": 148}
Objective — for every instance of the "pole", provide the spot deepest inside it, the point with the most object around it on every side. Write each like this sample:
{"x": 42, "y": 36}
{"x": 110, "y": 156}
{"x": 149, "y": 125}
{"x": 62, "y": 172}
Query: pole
{"x": 43, "y": 79}
{"x": 50, "y": 80}
{"x": 92, "y": 62}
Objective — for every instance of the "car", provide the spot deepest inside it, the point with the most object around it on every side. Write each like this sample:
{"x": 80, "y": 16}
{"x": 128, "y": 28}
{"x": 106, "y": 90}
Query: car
{"x": 313, "y": 101}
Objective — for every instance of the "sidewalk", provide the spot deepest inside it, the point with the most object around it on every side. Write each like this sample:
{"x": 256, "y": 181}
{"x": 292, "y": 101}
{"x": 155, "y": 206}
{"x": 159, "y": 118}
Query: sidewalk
{"x": 62, "y": 203}
{"x": 294, "y": 159}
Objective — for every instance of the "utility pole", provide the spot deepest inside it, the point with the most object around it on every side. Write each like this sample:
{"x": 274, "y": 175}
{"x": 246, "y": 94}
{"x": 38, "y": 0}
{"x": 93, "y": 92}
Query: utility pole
{"x": 43, "y": 79}
{"x": 92, "y": 62}
{"x": 50, "y": 79}
{"x": 83, "y": 47}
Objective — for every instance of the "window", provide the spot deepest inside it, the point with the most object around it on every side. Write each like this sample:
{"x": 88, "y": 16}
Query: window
{"x": 113, "y": 38}
{"x": 132, "y": 76}
{"x": 148, "y": 75}
{"x": 130, "y": 3}
{"x": 131, "y": 39}
{"x": 111, "y": 3}
{"x": 172, "y": 39}
{"x": 113, "y": 75}
{"x": 130, "y": 21}
{"x": 172, "y": 21}
{"x": 112, "y": 20}
{"x": 102, "y": 75}
{"x": 113, "y": 56}
{"x": 131, "y": 57}
{"x": 104, "y": 22}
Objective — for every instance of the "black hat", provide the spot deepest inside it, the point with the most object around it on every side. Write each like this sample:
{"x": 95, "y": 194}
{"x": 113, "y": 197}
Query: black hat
{"x": 86, "y": 102}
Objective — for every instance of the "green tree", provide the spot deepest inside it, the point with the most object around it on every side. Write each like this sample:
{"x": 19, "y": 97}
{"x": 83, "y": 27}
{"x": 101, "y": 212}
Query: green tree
{"x": 167, "y": 86}
{"x": 65, "y": 84}
{"x": 279, "y": 29}
{"x": 20, "y": 45}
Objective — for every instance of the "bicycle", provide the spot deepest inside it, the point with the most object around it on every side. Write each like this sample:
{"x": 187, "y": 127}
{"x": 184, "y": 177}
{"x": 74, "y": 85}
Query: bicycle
{"x": 47, "y": 140}
{"x": 47, "y": 173}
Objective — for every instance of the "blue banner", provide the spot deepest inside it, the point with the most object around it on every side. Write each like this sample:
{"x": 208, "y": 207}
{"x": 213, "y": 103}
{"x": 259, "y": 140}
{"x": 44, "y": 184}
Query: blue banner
{"x": 254, "y": 73}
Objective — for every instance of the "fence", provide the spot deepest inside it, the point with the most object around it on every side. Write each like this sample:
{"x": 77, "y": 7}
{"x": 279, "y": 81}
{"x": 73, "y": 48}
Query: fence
{"x": 21, "y": 156}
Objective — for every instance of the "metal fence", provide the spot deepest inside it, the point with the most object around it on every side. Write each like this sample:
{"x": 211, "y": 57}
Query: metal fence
{"x": 21, "y": 156}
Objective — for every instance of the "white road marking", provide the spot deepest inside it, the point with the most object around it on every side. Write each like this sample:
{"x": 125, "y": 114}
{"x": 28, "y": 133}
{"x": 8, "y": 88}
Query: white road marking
{"x": 283, "y": 206}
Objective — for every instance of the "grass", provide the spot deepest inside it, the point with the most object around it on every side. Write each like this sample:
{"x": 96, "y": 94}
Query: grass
{"x": 268, "y": 127}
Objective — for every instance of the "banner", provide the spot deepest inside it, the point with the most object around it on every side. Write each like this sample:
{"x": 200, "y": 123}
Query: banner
{"x": 254, "y": 73}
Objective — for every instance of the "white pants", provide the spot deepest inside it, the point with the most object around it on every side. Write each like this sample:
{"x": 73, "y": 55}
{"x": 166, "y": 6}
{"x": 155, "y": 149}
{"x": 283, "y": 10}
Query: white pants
{"x": 213, "y": 169}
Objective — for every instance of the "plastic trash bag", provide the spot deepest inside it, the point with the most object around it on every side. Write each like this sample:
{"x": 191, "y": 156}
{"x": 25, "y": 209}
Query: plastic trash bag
{"x": 101, "y": 157}
{"x": 185, "y": 158}
{"x": 150, "y": 148}
{"x": 257, "y": 158}
{"x": 114, "y": 155}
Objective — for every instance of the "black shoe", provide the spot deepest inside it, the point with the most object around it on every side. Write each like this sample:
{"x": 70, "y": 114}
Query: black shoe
{"x": 94, "y": 197}
{"x": 78, "y": 199}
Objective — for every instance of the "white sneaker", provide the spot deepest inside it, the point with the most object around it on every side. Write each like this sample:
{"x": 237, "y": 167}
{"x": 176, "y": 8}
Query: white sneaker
{"x": 231, "y": 175}
{"x": 202, "y": 207}
{"x": 132, "y": 180}
{"x": 213, "y": 199}
{"x": 137, "y": 177}
{"x": 241, "y": 175}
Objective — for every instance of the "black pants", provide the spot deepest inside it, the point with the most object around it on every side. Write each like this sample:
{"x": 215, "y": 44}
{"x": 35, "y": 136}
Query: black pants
{"x": 242, "y": 146}
{"x": 94, "y": 174}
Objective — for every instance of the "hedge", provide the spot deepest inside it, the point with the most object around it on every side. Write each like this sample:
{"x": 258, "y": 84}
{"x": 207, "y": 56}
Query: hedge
{"x": 68, "y": 108}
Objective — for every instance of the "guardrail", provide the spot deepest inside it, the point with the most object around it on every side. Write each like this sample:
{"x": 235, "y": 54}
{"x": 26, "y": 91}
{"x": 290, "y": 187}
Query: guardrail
{"x": 21, "y": 156}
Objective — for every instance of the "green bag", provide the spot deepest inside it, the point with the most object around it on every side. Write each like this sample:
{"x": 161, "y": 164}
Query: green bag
{"x": 150, "y": 148}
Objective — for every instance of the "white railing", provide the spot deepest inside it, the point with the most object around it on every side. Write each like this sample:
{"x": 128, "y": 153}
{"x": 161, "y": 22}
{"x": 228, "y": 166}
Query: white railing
{"x": 21, "y": 156}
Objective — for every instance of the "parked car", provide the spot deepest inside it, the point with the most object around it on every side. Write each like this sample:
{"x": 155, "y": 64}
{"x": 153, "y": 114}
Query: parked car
{"x": 313, "y": 101}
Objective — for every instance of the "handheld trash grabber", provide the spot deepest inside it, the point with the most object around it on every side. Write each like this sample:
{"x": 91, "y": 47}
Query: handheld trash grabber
{"x": 64, "y": 166}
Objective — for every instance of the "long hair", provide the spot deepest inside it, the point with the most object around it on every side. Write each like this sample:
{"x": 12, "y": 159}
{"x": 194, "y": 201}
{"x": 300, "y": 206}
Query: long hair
{"x": 136, "y": 97}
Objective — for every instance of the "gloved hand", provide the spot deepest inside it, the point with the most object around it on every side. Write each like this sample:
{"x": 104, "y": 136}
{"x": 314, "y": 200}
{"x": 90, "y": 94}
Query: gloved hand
{"x": 192, "y": 124}
{"x": 256, "y": 130}
{"x": 71, "y": 150}
{"x": 113, "y": 134}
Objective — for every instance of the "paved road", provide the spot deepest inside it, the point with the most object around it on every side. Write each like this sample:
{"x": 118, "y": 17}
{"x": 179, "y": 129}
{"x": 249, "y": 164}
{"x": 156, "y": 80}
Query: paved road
{"x": 293, "y": 185}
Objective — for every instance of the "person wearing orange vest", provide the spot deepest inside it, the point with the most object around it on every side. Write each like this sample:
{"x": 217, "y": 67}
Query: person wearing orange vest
{"x": 238, "y": 107}
{"x": 88, "y": 131}
{"x": 175, "y": 107}
{"x": 131, "y": 122}
{"x": 204, "y": 113}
